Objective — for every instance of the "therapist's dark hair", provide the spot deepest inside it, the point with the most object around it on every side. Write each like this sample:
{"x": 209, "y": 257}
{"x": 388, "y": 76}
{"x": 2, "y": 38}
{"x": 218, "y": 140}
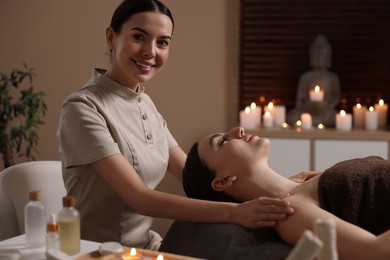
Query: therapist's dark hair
{"x": 128, "y": 8}
{"x": 197, "y": 178}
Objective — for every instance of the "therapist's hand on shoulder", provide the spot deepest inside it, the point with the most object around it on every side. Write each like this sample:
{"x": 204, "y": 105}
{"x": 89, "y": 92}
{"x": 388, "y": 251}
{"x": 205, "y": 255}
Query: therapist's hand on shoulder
{"x": 261, "y": 212}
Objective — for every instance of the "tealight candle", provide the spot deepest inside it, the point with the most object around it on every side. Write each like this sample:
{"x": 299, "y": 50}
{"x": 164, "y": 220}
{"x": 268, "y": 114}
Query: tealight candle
{"x": 316, "y": 95}
{"x": 306, "y": 121}
{"x": 133, "y": 255}
{"x": 268, "y": 120}
{"x": 371, "y": 119}
{"x": 343, "y": 121}
{"x": 381, "y": 107}
{"x": 359, "y": 116}
{"x": 321, "y": 126}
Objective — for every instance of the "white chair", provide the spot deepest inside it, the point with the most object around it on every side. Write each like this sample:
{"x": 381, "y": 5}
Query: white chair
{"x": 15, "y": 184}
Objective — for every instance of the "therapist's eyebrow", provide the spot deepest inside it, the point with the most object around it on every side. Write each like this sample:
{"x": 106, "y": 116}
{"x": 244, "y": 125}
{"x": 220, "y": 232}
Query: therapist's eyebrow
{"x": 146, "y": 33}
{"x": 212, "y": 138}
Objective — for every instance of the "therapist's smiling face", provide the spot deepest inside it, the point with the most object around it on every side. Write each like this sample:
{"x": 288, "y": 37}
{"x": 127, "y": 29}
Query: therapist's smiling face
{"x": 233, "y": 151}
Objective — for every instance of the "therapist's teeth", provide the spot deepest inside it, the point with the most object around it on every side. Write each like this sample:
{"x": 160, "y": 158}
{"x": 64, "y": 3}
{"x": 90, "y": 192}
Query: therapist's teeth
{"x": 142, "y": 65}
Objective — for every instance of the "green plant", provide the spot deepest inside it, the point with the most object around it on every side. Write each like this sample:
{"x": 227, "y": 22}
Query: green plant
{"x": 21, "y": 112}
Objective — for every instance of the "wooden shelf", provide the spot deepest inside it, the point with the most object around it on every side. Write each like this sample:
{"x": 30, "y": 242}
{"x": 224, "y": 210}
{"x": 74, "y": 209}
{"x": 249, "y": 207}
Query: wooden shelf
{"x": 331, "y": 133}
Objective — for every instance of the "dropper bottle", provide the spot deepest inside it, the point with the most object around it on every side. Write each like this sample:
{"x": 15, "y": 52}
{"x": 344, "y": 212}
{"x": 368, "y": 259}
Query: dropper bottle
{"x": 52, "y": 240}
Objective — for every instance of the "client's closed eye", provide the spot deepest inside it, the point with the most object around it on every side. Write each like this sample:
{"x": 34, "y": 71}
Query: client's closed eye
{"x": 223, "y": 141}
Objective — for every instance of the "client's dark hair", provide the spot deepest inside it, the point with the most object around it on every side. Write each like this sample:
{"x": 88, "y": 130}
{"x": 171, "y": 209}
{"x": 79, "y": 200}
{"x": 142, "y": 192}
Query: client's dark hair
{"x": 197, "y": 178}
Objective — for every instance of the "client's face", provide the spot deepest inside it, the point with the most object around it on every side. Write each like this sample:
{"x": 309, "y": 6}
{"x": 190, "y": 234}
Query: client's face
{"x": 234, "y": 151}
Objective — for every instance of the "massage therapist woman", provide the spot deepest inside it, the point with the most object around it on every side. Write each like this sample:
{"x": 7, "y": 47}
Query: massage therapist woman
{"x": 116, "y": 147}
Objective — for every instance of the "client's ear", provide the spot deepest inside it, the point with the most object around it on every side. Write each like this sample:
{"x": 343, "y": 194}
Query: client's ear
{"x": 222, "y": 183}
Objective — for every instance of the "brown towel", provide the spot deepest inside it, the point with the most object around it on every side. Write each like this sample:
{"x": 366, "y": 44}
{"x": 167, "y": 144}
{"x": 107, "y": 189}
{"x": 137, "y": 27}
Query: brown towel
{"x": 358, "y": 191}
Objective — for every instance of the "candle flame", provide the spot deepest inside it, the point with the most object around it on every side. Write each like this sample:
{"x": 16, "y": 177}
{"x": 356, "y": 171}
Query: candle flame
{"x": 160, "y": 257}
{"x": 321, "y": 126}
{"x": 298, "y": 123}
{"x": 342, "y": 112}
{"x": 267, "y": 114}
{"x": 133, "y": 252}
{"x": 381, "y": 102}
{"x": 358, "y": 106}
{"x": 371, "y": 108}
{"x": 317, "y": 89}
{"x": 285, "y": 125}
{"x": 253, "y": 105}
{"x": 247, "y": 110}
{"x": 270, "y": 105}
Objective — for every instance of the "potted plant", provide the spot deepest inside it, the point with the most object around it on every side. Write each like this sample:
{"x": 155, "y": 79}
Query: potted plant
{"x": 21, "y": 112}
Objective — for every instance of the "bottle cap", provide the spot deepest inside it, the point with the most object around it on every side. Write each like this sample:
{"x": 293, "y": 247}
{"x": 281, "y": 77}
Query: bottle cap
{"x": 52, "y": 224}
{"x": 34, "y": 195}
{"x": 68, "y": 201}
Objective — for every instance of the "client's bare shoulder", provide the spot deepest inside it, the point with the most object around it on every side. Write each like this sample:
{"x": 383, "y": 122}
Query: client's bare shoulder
{"x": 307, "y": 190}
{"x": 304, "y": 200}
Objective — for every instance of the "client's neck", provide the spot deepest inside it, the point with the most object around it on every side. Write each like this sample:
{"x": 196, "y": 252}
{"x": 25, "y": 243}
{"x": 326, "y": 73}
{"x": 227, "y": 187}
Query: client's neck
{"x": 267, "y": 183}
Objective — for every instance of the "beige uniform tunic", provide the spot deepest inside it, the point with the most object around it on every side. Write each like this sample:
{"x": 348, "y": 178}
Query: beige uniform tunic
{"x": 103, "y": 119}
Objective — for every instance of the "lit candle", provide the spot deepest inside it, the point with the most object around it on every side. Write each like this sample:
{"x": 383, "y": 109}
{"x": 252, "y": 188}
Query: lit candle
{"x": 133, "y": 255}
{"x": 317, "y": 94}
{"x": 306, "y": 120}
{"x": 256, "y": 112}
{"x": 279, "y": 114}
{"x": 250, "y": 117}
{"x": 269, "y": 108}
{"x": 359, "y": 116}
{"x": 268, "y": 120}
{"x": 381, "y": 107}
{"x": 343, "y": 121}
{"x": 371, "y": 119}
{"x": 160, "y": 257}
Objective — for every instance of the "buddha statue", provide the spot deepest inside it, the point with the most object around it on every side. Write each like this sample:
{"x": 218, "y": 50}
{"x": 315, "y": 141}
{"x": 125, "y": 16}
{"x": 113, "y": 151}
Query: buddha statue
{"x": 321, "y": 111}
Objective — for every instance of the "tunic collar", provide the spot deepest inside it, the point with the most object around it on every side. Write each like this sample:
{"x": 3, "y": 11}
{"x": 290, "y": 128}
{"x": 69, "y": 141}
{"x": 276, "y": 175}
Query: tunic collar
{"x": 115, "y": 87}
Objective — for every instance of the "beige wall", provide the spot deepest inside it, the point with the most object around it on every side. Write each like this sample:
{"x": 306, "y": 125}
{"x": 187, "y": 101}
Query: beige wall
{"x": 64, "y": 40}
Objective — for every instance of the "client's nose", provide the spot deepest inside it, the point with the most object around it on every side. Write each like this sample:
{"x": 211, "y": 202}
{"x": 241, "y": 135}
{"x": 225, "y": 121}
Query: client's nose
{"x": 236, "y": 132}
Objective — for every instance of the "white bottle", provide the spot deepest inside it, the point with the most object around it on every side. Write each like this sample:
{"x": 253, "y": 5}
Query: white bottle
{"x": 35, "y": 221}
{"x": 52, "y": 240}
{"x": 69, "y": 227}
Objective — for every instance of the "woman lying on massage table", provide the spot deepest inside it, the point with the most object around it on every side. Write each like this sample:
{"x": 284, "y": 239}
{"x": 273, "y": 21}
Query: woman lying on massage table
{"x": 233, "y": 166}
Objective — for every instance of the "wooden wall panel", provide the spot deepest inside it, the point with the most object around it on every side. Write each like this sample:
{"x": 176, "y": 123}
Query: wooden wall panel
{"x": 275, "y": 40}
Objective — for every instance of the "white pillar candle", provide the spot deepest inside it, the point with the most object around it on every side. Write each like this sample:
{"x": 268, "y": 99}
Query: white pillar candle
{"x": 306, "y": 121}
{"x": 247, "y": 119}
{"x": 371, "y": 119}
{"x": 381, "y": 108}
{"x": 268, "y": 120}
{"x": 279, "y": 114}
{"x": 343, "y": 121}
{"x": 359, "y": 116}
{"x": 256, "y": 111}
{"x": 250, "y": 117}
{"x": 269, "y": 108}
{"x": 316, "y": 95}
